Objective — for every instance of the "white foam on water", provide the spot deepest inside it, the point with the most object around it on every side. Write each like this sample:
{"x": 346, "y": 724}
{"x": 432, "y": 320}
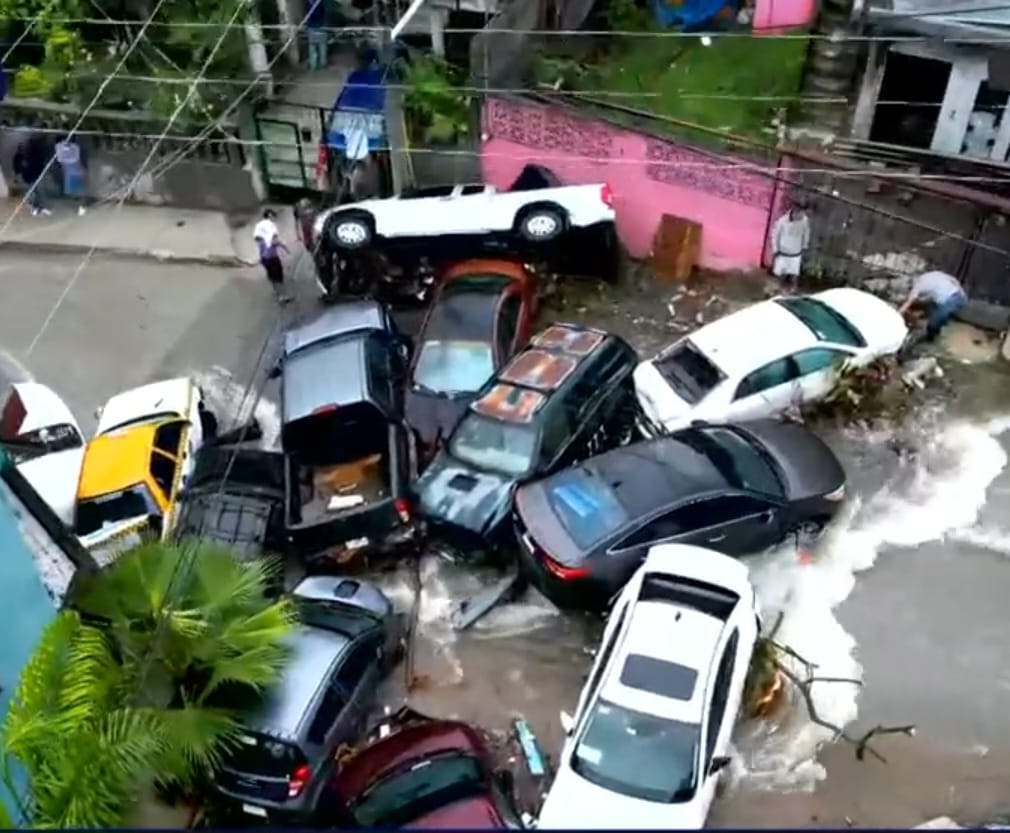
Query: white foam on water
{"x": 938, "y": 491}
{"x": 518, "y": 618}
{"x": 234, "y": 405}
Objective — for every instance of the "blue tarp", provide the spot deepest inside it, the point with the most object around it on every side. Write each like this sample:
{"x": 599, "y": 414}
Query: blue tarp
{"x": 691, "y": 15}
{"x": 361, "y": 105}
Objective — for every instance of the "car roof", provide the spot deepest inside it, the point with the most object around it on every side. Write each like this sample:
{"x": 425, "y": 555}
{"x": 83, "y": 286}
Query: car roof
{"x": 670, "y": 633}
{"x": 748, "y": 339}
{"x": 649, "y": 475}
{"x": 513, "y": 270}
{"x": 521, "y": 388}
{"x": 171, "y": 396}
{"x": 463, "y": 314}
{"x": 349, "y": 591}
{"x": 333, "y": 321}
{"x": 116, "y": 461}
{"x": 333, "y": 374}
{"x": 285, "y": 705}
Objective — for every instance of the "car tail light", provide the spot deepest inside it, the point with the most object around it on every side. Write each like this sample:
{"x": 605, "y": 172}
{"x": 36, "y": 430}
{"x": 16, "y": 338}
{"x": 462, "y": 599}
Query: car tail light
{"x": 402, "y": 507}
{"x": 837, "y": 495}
{"x": 325, "y": 409}
{"x": 299, "y": 778}
{"x": 560, "y": 570}
{"x": 607, "y": 196}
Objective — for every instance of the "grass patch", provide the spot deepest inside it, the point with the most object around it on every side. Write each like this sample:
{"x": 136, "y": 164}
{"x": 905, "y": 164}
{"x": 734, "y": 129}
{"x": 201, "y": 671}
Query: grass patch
{"x": 725, "y": 86}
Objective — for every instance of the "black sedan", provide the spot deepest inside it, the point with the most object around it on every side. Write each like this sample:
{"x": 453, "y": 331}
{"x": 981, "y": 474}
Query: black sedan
{"x": 737, "y": 489}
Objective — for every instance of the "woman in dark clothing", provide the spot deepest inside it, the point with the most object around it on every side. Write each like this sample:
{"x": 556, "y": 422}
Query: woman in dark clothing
{"x": 30, "y": 163}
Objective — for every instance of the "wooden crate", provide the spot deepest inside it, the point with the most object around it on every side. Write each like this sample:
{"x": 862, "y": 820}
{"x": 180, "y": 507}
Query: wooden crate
{"x": 676, "y": 248}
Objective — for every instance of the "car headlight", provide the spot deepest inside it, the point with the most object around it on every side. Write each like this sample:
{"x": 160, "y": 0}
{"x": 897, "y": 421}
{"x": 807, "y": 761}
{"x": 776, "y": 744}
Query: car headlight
{"x": 837, "y": 494}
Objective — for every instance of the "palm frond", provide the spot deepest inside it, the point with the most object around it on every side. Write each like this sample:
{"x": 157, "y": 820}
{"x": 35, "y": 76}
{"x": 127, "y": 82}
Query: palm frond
{"x": 199, "y": 737}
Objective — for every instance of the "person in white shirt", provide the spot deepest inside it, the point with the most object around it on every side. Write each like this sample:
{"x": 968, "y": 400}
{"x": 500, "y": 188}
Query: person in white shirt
{"x": 269, "y": 243}
{"x": 943, "y": 293}
{"x": 790, "y": 240}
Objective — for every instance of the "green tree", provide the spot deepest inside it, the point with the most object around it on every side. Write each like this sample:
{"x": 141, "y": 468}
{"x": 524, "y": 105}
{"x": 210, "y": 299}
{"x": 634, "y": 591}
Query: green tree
{"x": 127, "y": 692}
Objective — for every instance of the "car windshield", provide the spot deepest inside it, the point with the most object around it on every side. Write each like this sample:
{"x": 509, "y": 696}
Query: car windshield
{"x": 49, "y": 440}
{"x": 454, "y": 366}
{"x": 586, "y": 506}
{"x": 639, "y": 755}
{"x": 93, "y": 514}
{"x": 418, "y": 790}
{"x": 740, "y": 461}
{"x": 492, "y": 444}
{"x": 689, "y": 372}
{"x": 823, "y": 321}
{"x": 333, "y": 616}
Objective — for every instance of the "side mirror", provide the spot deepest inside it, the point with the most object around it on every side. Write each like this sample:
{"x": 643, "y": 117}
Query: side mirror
{"x": 718, "y": 764}
{"x": 567, "y": 722}
{"x": 275, "y": 371}
{"x": 405, "y": 345}
{"x": 98, "y": 413}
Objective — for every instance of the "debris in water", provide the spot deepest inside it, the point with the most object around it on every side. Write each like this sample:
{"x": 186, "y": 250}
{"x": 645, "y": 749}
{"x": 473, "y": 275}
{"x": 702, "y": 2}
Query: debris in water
{"x": 470, "y": 610}
{"x": 528, "y": 742}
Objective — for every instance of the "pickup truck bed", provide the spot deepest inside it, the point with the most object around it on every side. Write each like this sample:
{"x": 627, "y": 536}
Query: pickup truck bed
{"x": 335, "y": 489}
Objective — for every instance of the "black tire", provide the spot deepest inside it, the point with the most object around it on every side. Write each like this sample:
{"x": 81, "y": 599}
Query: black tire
{"x": 352, "y": 230}
{"x": 541, "y": 224}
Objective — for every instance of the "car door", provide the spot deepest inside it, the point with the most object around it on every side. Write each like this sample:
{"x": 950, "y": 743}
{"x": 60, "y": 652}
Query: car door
{"x": 358, "y": 676}
{"x": 732, "y": 524}
{"x": 817, "y": 370}
{"x": 719, "y": 719}
{"x": 766, "y": 391}
{"x": 332, "y": 723}
{"x": 507, "y": 326}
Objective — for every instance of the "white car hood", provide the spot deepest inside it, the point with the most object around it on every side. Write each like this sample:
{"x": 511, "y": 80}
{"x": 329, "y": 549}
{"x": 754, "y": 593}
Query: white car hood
{"x": 573, "y": 803}
{"x": 55, "y": 477}
{"x": 171, "y": 396}
{"x": 880, "y": 323}
{"x": 658, "y": 399}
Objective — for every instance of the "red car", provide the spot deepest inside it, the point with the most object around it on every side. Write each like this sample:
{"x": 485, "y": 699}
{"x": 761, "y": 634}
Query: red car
{"x": 435, "y": 775}
{"x": 482, "y": 312}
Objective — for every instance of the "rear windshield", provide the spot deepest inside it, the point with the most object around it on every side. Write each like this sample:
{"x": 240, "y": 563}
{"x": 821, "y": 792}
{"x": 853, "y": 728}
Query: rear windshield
{"x": 822, "y": 321}
{"x": 586, "y": 506}
{"x": 342, "y": 435}
{"x": 49, "y": 440}
{"x": 262, "y": 756}
{"x": 504, "y": 447}
{"x": 106, "y": 510}
{"x": 409, "y": 794}
{"x": 689, "y": 372}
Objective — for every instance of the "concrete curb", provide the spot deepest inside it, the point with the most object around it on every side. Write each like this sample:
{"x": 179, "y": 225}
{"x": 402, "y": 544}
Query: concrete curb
{"x": 160, "y": 255}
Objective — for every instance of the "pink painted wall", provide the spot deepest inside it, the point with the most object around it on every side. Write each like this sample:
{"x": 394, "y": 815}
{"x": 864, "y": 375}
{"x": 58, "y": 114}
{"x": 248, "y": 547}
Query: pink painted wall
{"x": 649, "y": 177}
{"x": 773, "y": 16}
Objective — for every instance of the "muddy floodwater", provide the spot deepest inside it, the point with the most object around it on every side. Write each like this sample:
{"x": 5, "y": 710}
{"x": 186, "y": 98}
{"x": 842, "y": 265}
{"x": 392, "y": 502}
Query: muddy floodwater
{"x": 904, "y": 597}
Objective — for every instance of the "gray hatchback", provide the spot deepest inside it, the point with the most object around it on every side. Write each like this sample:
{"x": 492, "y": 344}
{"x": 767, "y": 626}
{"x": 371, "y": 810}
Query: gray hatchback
{"x": 348, "y": 636}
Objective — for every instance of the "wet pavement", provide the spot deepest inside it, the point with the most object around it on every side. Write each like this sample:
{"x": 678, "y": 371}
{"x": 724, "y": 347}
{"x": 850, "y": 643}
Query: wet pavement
{"x": 905, "y": 594}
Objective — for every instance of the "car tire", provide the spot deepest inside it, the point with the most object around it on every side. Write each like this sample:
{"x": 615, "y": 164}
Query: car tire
{"x": 351, "y": 231}
{"x": 542, "y": 224}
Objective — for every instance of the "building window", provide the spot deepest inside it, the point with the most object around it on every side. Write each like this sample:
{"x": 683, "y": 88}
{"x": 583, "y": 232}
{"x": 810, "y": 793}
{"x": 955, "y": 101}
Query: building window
{"x": 908, "y": 105}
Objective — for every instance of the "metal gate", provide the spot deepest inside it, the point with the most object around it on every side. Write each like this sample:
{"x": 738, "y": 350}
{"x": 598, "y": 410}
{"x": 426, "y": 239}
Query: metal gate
{"x": 289, "y": 149}
{"x": 986, "y": 274}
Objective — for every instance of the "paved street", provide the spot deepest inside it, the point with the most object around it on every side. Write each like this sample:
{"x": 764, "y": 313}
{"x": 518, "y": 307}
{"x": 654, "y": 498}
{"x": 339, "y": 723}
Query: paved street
{"x": 908, "y": 595}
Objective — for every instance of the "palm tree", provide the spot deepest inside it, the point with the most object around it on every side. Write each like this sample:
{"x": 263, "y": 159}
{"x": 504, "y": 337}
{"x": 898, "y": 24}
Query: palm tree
{"x": 163, "y": 634}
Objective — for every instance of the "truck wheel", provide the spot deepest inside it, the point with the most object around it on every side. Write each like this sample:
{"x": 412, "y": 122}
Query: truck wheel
{"x": 353, "y": 230}
{"x": 542, "y": 224}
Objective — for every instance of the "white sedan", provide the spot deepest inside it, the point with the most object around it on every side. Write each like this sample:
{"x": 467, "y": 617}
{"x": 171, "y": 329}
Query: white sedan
{"x": 651, "y": 735}
{"x": 766, "y": 358}
{"x": 538, "y": 215}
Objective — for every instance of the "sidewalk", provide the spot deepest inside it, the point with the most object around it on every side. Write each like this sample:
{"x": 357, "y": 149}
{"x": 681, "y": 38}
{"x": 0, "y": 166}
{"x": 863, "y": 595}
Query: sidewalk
{"x": 159, "y": 232}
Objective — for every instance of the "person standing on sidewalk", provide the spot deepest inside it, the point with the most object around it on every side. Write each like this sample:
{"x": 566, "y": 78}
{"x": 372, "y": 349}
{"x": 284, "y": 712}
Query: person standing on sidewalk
{"x": 790, "y": 240}
{"x": 269, "y": 243}
{"x": 75, "y": 180}
{"x": 319, "y": 35}
{"x": 943, "y": 293}
{"x": 30, "y": 161}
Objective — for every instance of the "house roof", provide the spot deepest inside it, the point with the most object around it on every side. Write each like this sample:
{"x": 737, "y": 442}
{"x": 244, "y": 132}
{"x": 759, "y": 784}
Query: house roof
{"x": 941, "y": 18}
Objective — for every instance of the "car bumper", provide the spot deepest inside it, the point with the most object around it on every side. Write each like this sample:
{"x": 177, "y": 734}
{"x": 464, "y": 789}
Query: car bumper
{"x": 353, "y": 553}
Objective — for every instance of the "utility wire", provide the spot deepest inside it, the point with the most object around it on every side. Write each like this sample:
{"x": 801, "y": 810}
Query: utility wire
{"x": 760, "y": 34}
{"x": 98, "y": 94}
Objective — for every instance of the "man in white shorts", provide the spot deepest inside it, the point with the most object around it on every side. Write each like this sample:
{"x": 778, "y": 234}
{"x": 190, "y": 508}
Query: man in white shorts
{"x": 790, "y": 240}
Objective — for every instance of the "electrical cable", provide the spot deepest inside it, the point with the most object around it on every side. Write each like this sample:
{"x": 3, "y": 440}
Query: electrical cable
{"x": 769, "y": 34}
